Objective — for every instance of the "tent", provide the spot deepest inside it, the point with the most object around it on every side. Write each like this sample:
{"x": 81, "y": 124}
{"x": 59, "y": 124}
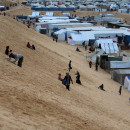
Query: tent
{"x": 127, "y": 83}
{"x": 49, "y": 13}
{"x": 66, "y": 14}
{"x": 79, "y": 38}
{"x": 107, "y": 45}
{"x": 35, "y": 14}
{"x": 120, "y": 75}
{"x": 105, "y": 20}
{"x": 119, "y": 64}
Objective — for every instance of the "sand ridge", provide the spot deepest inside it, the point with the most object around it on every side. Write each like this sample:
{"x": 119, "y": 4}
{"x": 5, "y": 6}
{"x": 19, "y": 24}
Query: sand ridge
{"x": 31, "y": 97}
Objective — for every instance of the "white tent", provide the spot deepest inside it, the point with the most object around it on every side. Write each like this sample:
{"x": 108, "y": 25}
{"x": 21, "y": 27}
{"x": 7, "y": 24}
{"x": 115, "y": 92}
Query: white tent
{"x": 119, "y": 64}
{"x": 66, "y": 14}
{"x": 127, "y": 83}
{"x": 107, "y": 45}
{"x": 79, "y": 38}
{"x": 49, "y": 13}
{"x": 2, "y": 6}
{"x": 35, "y": 14}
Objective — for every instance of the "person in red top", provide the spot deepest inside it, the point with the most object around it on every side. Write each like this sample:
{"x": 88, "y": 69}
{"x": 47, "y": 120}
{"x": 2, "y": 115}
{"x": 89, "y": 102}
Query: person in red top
{"x": 28, "y": 45}
{"x": 90, "y": 64}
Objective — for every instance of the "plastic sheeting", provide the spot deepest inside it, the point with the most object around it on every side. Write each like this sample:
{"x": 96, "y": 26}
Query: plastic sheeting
{"x": 120, "y": 74}
{"x": 119, "y": 64}
{"x": 80, "y": 38}
{"x": 93, "y": 59}
{"x": 107, "y": 45}
{"x": 127, "y": 83}
{"x": 49, "y": 13}
{"x": 35, "y": 13}
{"x": 111, "y": 19}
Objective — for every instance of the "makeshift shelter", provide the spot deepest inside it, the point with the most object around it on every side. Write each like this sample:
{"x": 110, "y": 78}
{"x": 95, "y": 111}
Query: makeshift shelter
{"x": 94, "y": 57}
{"x": 119, "y": 64}
{"x": 49, "y": 13}
{"x": 33, "y": 16}
{"x": 109, "y": 15}
{"x": 79, "y": 38}
{"x": 107, "y": 45}
{"x": 105, "y": 20}
{"x": 127, "y": 83}
{"x": 66, "y": 14}
{"x": 119, "y": 75}
{"x": 2, "y": 8}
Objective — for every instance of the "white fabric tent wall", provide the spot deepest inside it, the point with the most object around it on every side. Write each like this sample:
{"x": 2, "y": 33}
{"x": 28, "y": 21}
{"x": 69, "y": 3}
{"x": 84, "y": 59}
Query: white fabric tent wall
{"x": 127, "y": 83}
{"x": 65, "y": 14}
{"x": 35, "y": 13}
{"x": 61, "y": 36}
{"x": 119, "y": 64}
{"x": 2, "y": 6}
{"x": 80, "y": 38}
{"x": 49, "y": 13}
{"x": 37, "y": 28}
{"x": 107, "y": 45}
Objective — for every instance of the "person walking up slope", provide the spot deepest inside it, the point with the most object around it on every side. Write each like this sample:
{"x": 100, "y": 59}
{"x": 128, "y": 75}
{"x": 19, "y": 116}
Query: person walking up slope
{"x": 120, "y": 89}
{"x": 67, "y": 80}
{"x": 90, "y": 64}
{"x": 70, "y": 65}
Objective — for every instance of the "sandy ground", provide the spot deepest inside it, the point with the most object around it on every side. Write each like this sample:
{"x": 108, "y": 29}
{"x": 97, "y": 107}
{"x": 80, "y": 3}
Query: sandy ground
{"x": 31, "y": 97}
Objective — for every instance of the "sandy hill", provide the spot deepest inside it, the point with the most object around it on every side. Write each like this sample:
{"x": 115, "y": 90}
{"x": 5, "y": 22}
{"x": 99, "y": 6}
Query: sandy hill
{"x": 32, "y": 98}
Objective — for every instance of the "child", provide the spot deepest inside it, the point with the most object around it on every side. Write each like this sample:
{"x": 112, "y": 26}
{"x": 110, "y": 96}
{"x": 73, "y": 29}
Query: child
{"x": 59, "y": 77}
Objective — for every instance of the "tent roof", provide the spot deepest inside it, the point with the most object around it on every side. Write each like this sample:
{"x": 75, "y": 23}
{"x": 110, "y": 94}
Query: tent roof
{"x": 81, "y": 37}
{"x": 122, "y": 71}
{"x": 105, "y": 41}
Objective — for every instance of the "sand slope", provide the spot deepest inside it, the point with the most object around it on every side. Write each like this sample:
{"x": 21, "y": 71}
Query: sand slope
{"x": 32, "y": 98}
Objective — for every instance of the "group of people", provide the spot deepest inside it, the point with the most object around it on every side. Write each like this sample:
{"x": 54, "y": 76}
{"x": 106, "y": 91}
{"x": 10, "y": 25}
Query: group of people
{"x": 67, "y": 79}
{"x": 96, "y": 65}
{"x": 29, "y": 46}
{"x": 14, "y": 55}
